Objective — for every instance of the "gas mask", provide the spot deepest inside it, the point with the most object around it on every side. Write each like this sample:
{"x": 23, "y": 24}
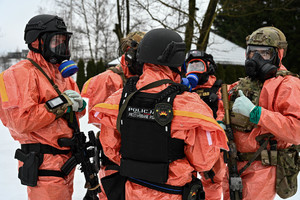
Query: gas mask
{"x": 56, "y": 47}
{"x": 135, "y": 67}
{"x": 261, "y": 62}
{"x": 197, "y": 72}
{"x": 56, "y": 51}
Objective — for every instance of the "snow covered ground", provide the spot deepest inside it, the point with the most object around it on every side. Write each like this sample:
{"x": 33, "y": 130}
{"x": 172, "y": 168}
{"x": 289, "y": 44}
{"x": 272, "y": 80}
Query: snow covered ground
{"x": 10, "y": 186}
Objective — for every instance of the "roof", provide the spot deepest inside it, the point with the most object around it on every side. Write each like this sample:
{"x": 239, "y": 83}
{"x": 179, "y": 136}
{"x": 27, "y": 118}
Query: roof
{"x": 223, "y": 51}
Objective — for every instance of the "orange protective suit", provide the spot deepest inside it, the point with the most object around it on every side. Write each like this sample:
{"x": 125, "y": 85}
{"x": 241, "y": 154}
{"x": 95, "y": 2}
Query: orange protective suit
{"x": 213, "y": 191}
{"x": 279, "y": 100}
{"x": 98, "y": 88}
{"x": 193, "y": 122}
{"x": 24, "y": 91}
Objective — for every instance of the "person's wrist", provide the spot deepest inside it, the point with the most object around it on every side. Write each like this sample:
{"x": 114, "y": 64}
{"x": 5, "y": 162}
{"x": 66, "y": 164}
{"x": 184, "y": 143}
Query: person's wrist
{"x": 83, "y": 106}
{"x": 255, "y": 114}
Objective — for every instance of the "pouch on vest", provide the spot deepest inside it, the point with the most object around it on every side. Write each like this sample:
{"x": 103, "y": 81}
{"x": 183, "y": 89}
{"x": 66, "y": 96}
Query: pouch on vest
{"x": 193, "y": 190}
{"x": 240, "y": 122}
{"x": 114, "y": 186}
{"x": 28, "y": 173}
{"x": 288, "y": 167}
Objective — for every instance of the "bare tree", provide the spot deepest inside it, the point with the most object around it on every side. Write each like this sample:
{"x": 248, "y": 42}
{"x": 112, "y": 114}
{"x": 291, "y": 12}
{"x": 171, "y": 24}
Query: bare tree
{"x": 189, "y": 30}
{"x": 209, "y": 17}
{"x": 188, "y": 18}
{"x": 89, "y": 20}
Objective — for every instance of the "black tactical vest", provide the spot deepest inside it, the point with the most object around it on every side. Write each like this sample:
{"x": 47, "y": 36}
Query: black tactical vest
{"x": 209, "y": 96}
{"x": 147, "y": 148}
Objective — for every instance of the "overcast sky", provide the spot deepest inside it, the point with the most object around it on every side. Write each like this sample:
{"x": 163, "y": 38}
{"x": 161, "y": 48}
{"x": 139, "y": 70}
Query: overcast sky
{"x": 14, "y": 15}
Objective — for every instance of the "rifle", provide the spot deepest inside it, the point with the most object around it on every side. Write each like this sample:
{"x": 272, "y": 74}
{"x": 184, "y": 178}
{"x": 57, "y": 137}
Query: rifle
{"x": 82, "y": 151}
{"x": 235, "y": 181}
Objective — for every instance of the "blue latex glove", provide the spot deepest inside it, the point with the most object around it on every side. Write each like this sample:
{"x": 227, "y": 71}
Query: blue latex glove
{"x": 185, "y": 81}
{"x": 243, "y": 105}
{"x": 76, "y": 99}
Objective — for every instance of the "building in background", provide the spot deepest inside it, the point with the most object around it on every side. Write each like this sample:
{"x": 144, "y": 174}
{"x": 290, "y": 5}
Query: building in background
{"x": 12, "y": 58}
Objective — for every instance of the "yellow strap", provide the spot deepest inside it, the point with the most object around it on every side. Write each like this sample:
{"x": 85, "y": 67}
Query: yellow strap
{"x": 176, "y": 113}
{"x": 86, "y": 86}
{"x": 195, "y": 115}
{"x": 3, "y": 89}
{"x": 107, "y": 106}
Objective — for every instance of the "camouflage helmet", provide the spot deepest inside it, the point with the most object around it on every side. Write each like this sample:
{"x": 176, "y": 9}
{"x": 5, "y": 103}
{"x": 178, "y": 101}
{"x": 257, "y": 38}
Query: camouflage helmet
{"x": 268, "y": 36}
{"x": 126, "y": 42}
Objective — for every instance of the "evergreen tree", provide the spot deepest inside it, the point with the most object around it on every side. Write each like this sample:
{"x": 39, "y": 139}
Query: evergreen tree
{"x": 238, "y": 19}
{"x": 220, "y": 73}
{"x": 91, "y": 69}
{"x": 230, "y": 74}
{"x": 100, "y": 66}
{"x": 80, "y": 74}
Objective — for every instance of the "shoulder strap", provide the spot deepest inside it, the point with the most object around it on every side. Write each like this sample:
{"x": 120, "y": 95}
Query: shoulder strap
{"x": 49, "y": 79}
{"x": 119, "y": 71}
{"x": 263, "y": 145}
{"x": 71, "y": 118}
{"x": 146, "y": 87}
{"x": 216, "y": 86}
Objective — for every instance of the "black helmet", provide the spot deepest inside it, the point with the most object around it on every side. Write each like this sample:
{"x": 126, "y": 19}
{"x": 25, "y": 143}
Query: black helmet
{"x": 42, "y": 24}
{"x": 47, "y": 27}
{"x": 162, "y": 47}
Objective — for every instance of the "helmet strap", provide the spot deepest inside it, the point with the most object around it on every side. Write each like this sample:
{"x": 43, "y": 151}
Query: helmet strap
{"x": 34, "y": 49}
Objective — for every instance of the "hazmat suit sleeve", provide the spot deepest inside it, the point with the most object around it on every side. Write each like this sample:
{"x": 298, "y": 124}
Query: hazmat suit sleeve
{"x": 22, "y": 108}
{"x": 284, "y": 121}
{"x": 109, "y": 137}
{"x": 221, "y": 111}
{"x": 204, "y": 137}
{"x": 98, "y": 88}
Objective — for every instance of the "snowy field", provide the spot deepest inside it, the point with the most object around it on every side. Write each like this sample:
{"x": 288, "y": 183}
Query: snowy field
{"x": 10, "y": 186}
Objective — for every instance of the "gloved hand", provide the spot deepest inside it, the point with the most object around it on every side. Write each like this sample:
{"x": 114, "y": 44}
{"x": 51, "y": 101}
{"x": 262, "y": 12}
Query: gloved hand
{"x": 242, "y": 105}
{"x": 75, "y": 98}
{"x": 222, "y": 125}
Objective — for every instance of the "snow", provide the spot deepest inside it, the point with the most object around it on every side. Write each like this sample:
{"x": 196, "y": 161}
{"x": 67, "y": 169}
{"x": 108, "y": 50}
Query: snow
{"x": 10, "y": 186}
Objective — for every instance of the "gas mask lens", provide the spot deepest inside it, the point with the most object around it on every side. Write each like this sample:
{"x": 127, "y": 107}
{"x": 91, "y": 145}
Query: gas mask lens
{"x": 59, "y": 44}
{"x": 196, "y": 66}
{"x": 267, "y": 53}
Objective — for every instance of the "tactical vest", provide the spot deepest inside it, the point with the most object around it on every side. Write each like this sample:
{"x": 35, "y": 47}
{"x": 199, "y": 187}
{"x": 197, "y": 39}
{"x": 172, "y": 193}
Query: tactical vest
{"x": 147, "y": 148}
{"x": 251, "y": 89}
{"x": 209, "y": 96}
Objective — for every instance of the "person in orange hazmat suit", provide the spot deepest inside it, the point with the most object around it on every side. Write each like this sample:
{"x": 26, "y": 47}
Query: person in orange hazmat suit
{"x": 156, "y": 134}
{"x": 98, "y": 88}
{"x": 201, "y": 68}
{"x": 36, "y": 94}
{"x": 267, "y": 100}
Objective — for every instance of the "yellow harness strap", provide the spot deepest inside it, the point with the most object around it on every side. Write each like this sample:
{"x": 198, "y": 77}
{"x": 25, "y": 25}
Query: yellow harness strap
{"x": 176, "y": 113}
{"x": 3, "y": 92}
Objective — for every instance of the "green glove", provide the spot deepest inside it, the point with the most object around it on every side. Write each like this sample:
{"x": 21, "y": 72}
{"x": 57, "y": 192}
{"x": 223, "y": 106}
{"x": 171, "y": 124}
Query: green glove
{"x": 242, "y": 105}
